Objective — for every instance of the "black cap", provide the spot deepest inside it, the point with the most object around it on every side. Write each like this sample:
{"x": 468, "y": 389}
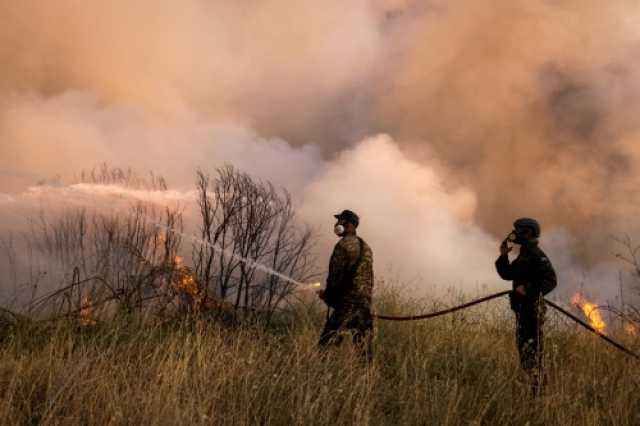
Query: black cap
{"x": 349, "y": 216}
{"x": 527, "y": 222}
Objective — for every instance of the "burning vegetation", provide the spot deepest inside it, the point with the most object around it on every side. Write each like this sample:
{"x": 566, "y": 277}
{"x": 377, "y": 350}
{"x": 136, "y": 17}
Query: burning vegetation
{"x": 590, "y": 311}
{"x": 131, "y": 262}
{"x": 593, "y": 313}
{"x": 85, "y": 315}
{"x": 631, "y": 330}
{"x": 250, "y": 254}
{"x": 187, "y": 286}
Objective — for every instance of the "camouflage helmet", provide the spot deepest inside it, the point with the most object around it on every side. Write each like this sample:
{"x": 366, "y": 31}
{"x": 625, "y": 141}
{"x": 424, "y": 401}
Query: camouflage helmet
{"x": 527, "y": 222}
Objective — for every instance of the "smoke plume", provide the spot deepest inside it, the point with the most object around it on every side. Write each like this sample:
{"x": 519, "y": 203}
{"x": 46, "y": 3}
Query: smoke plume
{"x": 520, "y": 108}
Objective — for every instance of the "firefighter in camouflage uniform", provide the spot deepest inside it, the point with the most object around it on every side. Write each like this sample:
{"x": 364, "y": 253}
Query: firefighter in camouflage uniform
{"x": 533, "y": 277}
{"x": 349, "y": 288}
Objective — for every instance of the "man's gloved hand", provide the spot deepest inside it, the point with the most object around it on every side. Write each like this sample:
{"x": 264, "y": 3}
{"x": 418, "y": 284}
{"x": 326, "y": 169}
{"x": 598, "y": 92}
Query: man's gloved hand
{"x": 504, "y": 248}
{"x": 516, "y": 297}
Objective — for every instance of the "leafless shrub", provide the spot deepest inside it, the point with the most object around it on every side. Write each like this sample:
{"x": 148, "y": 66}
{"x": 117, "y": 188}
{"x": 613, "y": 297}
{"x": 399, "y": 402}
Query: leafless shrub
{"x": 124, "y": 258}
{"x": 628, "y": 309}
{"x": 94, "y": 262}
{"x": 247, "y": 219}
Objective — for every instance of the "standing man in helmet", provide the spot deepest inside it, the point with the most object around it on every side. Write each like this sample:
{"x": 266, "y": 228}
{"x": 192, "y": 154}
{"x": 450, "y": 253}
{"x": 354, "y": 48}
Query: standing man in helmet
{"x": 349, "y": 287}
{"x": 533, "y": 277}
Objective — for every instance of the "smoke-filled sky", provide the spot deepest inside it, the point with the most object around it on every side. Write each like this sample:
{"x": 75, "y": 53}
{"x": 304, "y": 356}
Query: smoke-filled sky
{"x": 439, "y": 122}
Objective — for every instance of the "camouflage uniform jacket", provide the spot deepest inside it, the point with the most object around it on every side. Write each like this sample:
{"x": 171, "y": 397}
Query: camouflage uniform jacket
{"x": 350, "y": 280}
{"x": 532, "y": 269}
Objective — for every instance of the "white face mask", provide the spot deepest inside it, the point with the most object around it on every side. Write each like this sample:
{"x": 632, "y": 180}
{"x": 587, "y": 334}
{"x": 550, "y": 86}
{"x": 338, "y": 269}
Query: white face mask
{"x": 338, "y": 230}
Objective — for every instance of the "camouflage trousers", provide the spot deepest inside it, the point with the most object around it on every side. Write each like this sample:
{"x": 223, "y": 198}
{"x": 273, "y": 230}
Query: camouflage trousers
{"x": 356, "y": 323}
{"x": 530, "y": 340}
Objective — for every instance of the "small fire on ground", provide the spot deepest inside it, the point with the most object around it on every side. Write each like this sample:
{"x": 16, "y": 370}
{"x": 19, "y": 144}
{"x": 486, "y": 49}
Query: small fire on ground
{"x": 591, "y": 312}
{"x": 86, "y": 318}
{"x": 186, "y": 282}
{"x": 631, "y": 330}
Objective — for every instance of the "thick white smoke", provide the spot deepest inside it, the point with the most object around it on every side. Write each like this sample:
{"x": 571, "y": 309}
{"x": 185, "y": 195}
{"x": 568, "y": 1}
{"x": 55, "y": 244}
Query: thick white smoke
{"x": 487, "y": 119}
{"x": 418, "y": 229}
{"x": 423, "y": 234}
{"x": 420, "y": 232}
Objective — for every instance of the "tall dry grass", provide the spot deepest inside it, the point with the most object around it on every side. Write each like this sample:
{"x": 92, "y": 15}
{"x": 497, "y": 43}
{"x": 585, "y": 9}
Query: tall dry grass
{"x": 460, "y": 369}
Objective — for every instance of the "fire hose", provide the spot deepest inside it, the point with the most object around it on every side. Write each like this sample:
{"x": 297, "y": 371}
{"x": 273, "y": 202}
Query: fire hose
{"x": 443, "y": 312}
{"x": 504, "y": 293}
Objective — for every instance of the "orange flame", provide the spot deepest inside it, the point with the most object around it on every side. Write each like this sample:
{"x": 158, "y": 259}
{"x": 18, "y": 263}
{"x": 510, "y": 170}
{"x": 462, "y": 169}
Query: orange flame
{"x": 86, "y": 313}
{"x": 187, "y": 283}
{"x": 590, "y": 311}
{"x": 162, "y": 237}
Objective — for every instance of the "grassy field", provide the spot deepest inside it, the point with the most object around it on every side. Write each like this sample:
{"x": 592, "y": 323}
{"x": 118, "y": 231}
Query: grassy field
{"x": 456, "y": 370}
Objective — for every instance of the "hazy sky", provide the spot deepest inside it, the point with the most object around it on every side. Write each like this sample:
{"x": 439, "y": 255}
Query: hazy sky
{"x": 439, "y": 122}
